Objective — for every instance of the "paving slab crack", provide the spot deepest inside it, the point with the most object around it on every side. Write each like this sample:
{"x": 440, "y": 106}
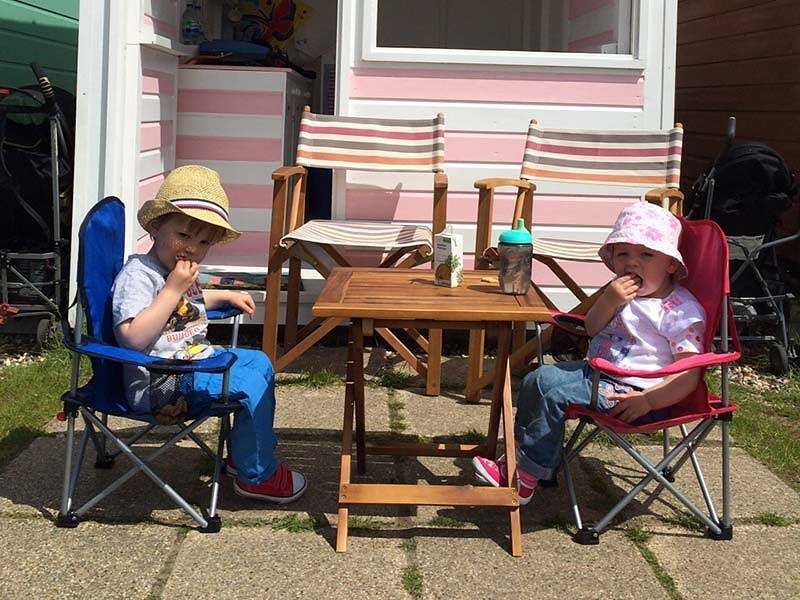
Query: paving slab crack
{"x": 166, "y": 570}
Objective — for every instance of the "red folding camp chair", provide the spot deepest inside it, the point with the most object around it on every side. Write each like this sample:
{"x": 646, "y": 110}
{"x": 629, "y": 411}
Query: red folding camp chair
{"x": 705, "y": 252}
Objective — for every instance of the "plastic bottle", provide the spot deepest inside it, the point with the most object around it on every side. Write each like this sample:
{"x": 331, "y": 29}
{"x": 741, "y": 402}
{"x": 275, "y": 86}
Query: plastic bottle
{"x": 516, "y": 254}
{"x": 192, "y": 24}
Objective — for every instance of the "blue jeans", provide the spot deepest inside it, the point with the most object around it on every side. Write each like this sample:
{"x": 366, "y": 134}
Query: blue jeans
{"x": 252, "y": 439}
{"x": 542, "y": 403}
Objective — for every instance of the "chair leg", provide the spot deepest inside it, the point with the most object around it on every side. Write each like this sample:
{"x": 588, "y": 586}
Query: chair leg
{"x": 269, "y": 343}
{"x": 66, "y": 518}
{"x": 214, "y": 521}
{"x": 292, "y": 304}
{"x": 476, "y": 345}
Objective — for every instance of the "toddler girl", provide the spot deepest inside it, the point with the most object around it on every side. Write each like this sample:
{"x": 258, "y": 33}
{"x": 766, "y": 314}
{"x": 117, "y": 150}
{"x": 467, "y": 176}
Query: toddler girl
{"x": 643, "y": 320}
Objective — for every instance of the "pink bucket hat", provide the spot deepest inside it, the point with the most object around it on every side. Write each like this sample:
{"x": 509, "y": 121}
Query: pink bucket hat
{"x": 648, "y": 225}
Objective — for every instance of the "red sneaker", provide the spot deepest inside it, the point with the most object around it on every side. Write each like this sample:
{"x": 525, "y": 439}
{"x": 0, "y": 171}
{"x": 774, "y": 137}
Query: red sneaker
{"x": 283, "y": 487}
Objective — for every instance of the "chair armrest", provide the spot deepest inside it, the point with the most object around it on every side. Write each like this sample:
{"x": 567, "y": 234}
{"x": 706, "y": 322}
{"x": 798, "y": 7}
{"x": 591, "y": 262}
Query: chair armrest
{"x": 492, "y": 182}
{"x": 282, "y": 173}
{"x": 219, "y": 363}
{"x": 439, "y": 180}
{"x": 672, "y": 197}
{"x": 572, "y": 323}
{"x": 223, "y": 312}
{"x": 679, "y": 366}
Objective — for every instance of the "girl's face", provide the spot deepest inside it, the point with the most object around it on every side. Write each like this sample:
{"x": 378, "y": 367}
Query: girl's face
{"x": 178, "y": 237}
{"x": 652, "y": 270}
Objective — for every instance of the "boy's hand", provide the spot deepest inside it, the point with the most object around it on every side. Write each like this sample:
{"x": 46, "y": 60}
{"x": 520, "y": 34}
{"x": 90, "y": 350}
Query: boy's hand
{"x": 631, "y": 406}
{"x": 182, "y": 276}
{"x": 622, "y": 290}
{"x": 242, "y": 301}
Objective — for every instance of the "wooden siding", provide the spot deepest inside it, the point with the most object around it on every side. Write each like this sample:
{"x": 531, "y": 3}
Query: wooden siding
{"x": 741, "y": 58}
{"x": 42, "y": 30}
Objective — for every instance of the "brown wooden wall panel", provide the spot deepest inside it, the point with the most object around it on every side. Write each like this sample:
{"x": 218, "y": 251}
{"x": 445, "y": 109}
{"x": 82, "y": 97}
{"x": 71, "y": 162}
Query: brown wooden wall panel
{"x": 690, "y": 10}
{"x": 752, "y": 125}
{"x": 734, "y": 99}
{"x": 758, "y": 44}
{"x": 760, "y": 17}
{"x": 760, "y": 71}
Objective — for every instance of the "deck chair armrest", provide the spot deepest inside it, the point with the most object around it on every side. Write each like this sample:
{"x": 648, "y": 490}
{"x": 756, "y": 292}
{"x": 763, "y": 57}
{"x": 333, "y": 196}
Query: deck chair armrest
{"x": 572, "y": 323}
{"x": 223, "y": 312}
{"x": 493, "y": 182}
{"x": 282, "y": 173}
{"x": 679, "y": 366}
{"x": 219, "y": 363}
{"x": 668, "y": 198}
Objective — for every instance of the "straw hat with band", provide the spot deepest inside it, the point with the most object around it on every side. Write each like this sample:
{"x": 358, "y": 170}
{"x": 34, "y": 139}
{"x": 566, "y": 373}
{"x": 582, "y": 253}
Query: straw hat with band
{"x": 648, "y": 225}
{"x": 194, "y": 191}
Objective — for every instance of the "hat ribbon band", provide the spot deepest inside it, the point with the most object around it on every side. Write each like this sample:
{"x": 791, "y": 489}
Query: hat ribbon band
{"x": 202, "y": 205}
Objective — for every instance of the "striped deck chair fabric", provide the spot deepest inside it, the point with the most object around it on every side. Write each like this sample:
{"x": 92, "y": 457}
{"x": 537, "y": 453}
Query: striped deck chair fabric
{"x": 635, "y": 158}
{"x": 371, "y": 144}
{"x": 646, "y": 159}
{"x": 365, "y": 144}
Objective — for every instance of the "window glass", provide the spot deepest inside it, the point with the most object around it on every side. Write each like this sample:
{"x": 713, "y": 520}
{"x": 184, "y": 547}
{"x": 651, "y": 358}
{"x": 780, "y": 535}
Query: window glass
{"x": 594, "y": 26}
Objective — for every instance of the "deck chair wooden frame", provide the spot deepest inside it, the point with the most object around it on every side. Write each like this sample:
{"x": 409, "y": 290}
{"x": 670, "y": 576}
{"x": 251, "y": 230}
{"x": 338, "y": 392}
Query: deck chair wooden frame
{"x": 550, "y": 155}
{"x": 354, "y": 143}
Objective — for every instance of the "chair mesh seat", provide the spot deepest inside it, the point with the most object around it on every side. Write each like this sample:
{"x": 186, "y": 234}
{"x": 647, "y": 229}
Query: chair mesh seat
{"x": 567, "y": 249}
{"x": 365, "y": 234}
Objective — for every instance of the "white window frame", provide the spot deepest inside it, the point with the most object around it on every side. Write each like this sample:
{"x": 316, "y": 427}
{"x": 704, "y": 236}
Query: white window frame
{"x": 636, "y": 60}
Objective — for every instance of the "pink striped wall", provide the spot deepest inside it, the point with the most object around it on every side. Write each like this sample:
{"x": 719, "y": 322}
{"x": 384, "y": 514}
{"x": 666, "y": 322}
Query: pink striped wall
{"x": 156, "y": 137}
{"x": 493, "y": 86}
{"x": 230, "y": 102}
{"x": 161, "y": 17}
{"x": 462, "y": 207}
{"x": 197, "y": 147}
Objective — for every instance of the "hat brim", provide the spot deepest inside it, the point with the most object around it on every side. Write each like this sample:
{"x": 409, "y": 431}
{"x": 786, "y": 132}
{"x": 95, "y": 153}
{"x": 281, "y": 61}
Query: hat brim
{"x": 605, "y": 254}
{"x": 152, "y": 209}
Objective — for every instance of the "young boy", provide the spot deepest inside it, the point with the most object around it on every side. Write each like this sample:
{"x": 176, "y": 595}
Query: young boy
{"x": 159, "y": 308}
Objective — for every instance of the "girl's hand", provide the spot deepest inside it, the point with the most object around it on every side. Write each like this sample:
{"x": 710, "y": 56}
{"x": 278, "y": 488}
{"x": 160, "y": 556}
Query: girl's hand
{"x": 630, "y": 406}
{"x": 622, "y": 290}
{"x": 182, "y": 276}
{"x": 243, "y": 302}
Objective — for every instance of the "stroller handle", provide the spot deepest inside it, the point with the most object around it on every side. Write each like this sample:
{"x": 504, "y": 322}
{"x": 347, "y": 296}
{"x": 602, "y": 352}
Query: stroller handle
{"x": 46, "y": 87}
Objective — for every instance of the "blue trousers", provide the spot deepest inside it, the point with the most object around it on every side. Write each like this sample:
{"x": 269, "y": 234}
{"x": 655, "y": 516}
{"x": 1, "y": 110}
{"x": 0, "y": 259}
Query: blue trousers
{"x": 543, "y": 399}
{"x": 252, "y": 438}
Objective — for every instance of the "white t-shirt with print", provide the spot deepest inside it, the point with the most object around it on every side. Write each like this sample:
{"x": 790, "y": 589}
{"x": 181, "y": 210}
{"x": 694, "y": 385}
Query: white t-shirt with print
{"x": 646, "y": 334}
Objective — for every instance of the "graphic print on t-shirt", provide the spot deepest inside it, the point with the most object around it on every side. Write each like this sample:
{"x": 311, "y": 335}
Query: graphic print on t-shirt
{"x": 186, "y": 327}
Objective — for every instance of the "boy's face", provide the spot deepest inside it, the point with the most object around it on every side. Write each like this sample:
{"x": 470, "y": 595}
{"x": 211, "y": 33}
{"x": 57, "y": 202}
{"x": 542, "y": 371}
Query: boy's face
{"x": 652, "y": 270}
{"x": 178, "y": 237}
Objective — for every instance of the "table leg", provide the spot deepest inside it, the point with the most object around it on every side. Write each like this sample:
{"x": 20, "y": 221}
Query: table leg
{"x": 347, "y": 444}
{"x": 514, "y": 523}
{"x": 358, "y": 394}
{"x": 503, "y": 348}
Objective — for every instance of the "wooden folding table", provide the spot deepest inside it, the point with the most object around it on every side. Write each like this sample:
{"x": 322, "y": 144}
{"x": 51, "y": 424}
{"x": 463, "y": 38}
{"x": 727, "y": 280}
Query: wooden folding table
{"x": 374, "y": 299}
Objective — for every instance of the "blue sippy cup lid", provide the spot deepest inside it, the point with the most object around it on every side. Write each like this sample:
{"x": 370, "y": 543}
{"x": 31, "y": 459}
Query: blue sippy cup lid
{"x": 518, "y": 235}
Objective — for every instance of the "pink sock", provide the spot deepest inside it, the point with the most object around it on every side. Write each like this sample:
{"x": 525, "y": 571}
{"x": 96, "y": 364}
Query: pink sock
{"x": 526, "y": 479}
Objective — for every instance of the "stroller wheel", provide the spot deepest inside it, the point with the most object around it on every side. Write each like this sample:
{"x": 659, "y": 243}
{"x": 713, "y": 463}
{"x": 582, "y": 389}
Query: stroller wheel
{"x": 778, "y": 359}
{"x": 45, "y": 331}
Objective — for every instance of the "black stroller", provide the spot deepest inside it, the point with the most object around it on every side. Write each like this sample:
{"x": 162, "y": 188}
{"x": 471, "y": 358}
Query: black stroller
{"x": 36, "y": 154}
{"x": 745, "y": 191}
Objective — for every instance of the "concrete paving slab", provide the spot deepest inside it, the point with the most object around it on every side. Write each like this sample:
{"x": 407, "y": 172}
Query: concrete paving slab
{"x": 436, "y": 416}
{"x": 755, "y": 488}
{"x": 552, "y": 566}
{"x": 319, "y": 412}
{"x": 320, "y": 462}
{"x": 260, "y": 562}
{"x": 31, "y": 484}
{"x": 759, "y": 562}
{"x": 37, "y": 560}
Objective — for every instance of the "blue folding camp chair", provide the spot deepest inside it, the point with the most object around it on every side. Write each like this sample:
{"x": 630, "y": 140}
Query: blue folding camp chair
{"x": 100, "y": 258}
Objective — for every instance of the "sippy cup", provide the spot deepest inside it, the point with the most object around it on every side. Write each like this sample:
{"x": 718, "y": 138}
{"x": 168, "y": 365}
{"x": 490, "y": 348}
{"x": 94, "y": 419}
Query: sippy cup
{"x": 516, "y": 254}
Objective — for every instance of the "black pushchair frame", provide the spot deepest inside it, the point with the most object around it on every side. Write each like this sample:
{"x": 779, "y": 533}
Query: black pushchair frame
{"x": 43, "y": 308}
{"x": 782, "y": 351}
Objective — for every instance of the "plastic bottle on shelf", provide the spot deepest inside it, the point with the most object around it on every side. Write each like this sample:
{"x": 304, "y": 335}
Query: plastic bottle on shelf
{"x": 192, "y": 24}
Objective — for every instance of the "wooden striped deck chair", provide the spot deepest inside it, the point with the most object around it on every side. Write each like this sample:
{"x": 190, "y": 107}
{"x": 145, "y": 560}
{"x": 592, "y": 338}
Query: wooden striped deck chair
{"x": 363, "y": 144}
{"x": 649, "y": 162}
